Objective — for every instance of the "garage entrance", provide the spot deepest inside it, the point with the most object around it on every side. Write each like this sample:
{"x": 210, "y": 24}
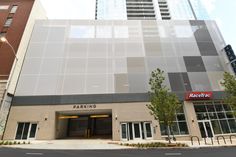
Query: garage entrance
{"x": 91, "y": 126}
{"x": 82, "y": 126}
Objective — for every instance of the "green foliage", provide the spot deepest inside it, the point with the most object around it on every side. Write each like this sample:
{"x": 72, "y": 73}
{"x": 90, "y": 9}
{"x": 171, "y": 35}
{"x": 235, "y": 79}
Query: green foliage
{"x": 9, "y": 142}
{"x": 6, "y": 143}
{"x": 163, "y": 104}
{"x": 154, "y": 145}
{"x": 229, "y": 83}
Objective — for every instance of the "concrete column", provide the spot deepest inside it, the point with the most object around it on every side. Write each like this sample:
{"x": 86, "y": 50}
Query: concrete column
{"x": 115, "y": 126}
{"x": 191, "y": 119}
{"x": 47, "y": 123}
{"x": 156, "y": 130}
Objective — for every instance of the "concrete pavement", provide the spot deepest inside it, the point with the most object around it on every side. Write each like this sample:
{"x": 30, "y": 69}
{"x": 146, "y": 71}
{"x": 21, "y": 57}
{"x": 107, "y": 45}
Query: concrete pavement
{"x": 70, "y": 144}
{"x": 98, "y": 144}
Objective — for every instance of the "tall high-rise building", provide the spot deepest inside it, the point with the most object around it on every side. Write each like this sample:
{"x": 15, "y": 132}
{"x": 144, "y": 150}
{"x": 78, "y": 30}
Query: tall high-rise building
{"x": 89, "y": 78}
{"x": 140, "y": 10}
{"x": 110, "y": 9}
{"x": 186, "y": 9}
{"x": 17, "y": 19}
{"x": 150, "y": 10}
{"x": 125, "y": 9}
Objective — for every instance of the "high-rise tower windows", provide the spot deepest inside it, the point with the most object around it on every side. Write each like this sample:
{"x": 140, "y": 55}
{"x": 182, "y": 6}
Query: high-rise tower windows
{"x": 4, "y": 7}
{"x": 13, "y": 9}
{"x": 8, "y": 22}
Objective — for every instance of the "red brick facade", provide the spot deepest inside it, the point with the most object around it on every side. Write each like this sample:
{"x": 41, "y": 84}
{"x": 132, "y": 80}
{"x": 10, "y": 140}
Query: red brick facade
{"x": 14, "y": 32}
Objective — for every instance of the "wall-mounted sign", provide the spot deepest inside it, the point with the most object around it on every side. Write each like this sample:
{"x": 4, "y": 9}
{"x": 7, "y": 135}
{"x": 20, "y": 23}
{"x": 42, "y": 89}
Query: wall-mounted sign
{"x": 198, "y": 95}
{"x": 230, "y": 53}
{"x": 231, "y": 56}
{"x": 84, "y": 106}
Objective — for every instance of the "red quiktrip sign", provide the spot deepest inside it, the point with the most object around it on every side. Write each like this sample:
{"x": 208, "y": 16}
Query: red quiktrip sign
{"x": 198, "y": 95}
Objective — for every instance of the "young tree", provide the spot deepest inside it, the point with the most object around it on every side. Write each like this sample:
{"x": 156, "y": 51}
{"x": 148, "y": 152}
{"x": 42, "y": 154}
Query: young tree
{"x": 163, "y": 104}
{"x": 230, "y": 88}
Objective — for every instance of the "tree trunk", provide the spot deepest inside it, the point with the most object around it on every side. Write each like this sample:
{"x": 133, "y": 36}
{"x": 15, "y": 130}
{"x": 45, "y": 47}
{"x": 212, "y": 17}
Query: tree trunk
{"x": 168, "y": 129}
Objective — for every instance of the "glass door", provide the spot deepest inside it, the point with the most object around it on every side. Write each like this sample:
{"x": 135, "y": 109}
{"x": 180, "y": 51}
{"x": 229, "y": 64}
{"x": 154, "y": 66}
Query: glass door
{"x": 147, "y": 130}
{"x": 26, "y": 131}
{"x": 124, "y": 131}
{"x": 33, "y": 130}
{"x": 206, "y": 129}
{"x": 137, "y": 131}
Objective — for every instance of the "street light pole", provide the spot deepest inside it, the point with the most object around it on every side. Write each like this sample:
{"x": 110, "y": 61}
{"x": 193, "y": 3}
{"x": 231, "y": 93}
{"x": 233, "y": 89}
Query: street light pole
{"x": 7, "y": 97}
{"x": 4, "y": 40}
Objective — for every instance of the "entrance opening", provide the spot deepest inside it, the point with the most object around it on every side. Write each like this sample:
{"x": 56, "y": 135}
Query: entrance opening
{"x": 26, "y": 130}
{"x": 205, "y": 129}
{"x": 81, "y": 126}
{"x": 136, "y": 130}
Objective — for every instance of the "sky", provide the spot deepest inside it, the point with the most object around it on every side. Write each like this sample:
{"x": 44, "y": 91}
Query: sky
{"x": 223, "y": 11}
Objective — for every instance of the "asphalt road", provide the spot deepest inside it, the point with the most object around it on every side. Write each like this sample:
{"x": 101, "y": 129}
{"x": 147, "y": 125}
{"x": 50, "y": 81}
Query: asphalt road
{"x": 202, "y": 152}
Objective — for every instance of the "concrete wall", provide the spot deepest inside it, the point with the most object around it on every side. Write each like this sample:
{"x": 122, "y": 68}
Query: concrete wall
{"x": 45, "y": 116}
{"x": 50, "y": 127}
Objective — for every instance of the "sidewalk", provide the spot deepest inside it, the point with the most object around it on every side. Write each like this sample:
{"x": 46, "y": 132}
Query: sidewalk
{"x": 91, "y": 144}
{"x": 70, "y": 144}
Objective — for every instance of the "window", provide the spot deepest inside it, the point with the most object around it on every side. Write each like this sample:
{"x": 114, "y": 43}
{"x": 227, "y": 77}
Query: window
{"x": 179, "y": 126}
{"x": 13, "y": 9}
{"x": 3, "y": 34}
{"x": 8, "y": 22}
{"x": 83, "y": 31}
{"x": 220, "y": 115}
{"x": 4, "y": 7}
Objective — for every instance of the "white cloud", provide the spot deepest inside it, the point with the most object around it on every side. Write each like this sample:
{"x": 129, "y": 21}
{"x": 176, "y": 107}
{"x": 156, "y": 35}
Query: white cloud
{"x": 209, "y": 4}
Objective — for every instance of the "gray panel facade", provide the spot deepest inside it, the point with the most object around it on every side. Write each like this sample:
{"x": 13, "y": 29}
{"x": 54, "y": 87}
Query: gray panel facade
{"x": 115, "y": 58}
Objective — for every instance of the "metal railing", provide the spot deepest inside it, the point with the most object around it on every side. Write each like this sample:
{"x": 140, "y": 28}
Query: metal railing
{"x": 222, "y": 138}
{"x": 196, "y": 138}
{"x": 212, "y": 141}
{"x": 230, "y": 138}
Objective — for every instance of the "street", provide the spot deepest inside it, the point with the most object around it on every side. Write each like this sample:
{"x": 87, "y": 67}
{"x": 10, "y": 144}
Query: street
{"x": 200, "y": 152}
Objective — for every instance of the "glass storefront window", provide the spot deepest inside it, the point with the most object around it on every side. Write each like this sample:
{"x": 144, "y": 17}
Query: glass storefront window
{"x": 200, "y": 108}
{"x": 210, "y": 108}
{"x": 202, "y": 116}
{"x": 221, "y": 116}
{"x": 219, "y": 108}
{"x": 180, "y": 117}
{"x": 224, "y": 126}
{"x": 229, "y": 115}
{"x": 216, "y": 126}
{"x": 183, "y": 128}
{"x": 212, "y": 115}
{"x": 232, "y": 124}
{"x": 226, "y": 107}
{"x": 179, "y": 126}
